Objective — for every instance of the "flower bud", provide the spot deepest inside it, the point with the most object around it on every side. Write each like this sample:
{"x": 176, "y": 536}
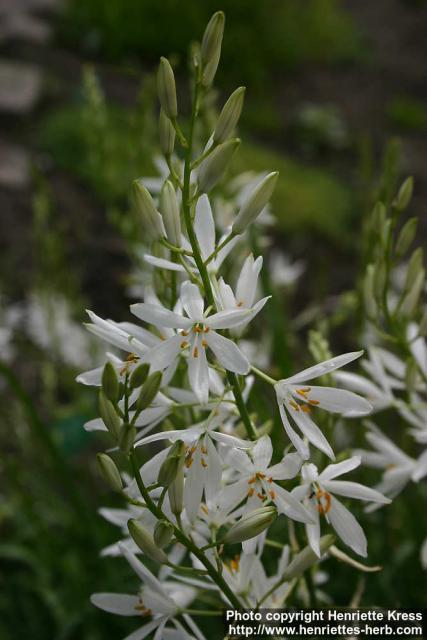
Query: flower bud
{"x": 127, "y": 435}
{"x": 411, "y": 299}
{"x": 229, "y": 116}
{"x": 211, "y": 47}
{"x": 166, "y": 134}
{"x": 166, "y": 88}
{"x": 176, "y": 493}
{"x": 422, "y": 329}
{"x": 145, "y": 542}
{"x": 368, "y": 291}
{"x": 108, "y": 414}
{"x": 149, "y": 390}
{"x": 307, "y": 558}
{"x": 255, "y": 203}
{"x": 215, "y": 164}
{"x": 406, "y": 237}
{"x": 139, "y": 375}
{"x": 411, "y": 375}
{"x": 163, "y": 533}
{"x": 110, "y": 382}
{"x": 172, "y": 464}
{"x": 414, "y": 266}
{"x": 405, "y": 194}
{"x": 151, "y": 217}
{"x": 170, "y": 212}
{"x": 110, "y": 472}
{"x": 251, "y": 525}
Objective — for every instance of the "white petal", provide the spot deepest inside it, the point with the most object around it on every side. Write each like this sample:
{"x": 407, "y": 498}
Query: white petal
{"x": 225, "y": 296}
{"x": 311, "y": 431}
{"x": 334, "y": 470}
{"x": 229, "y": 440}
{"x": 287, "y": 468}
{"x": 112, "y": 334}
{"x": 187, "y": 435}
{"x": 287, "y": 503}
{"x": 164, "y": 354}
{"x": 347, "y": 527}
{"x": 142, "y": 572}
{"x": 204, "y": 227}
{"x": 354, "y": 490}
{"x": 198, "y": 373}
{"x": 159, "y": 316}
{"x": 144, "y": 631}
{"x": 192, "y": 301}
{"x": 162, "y": 263}
{"x": 336, "y": 400}
{"x": 228, "y": 318}
{"x": 298, "y": 443}
{"x": 193, "y": 488}
{"x": 227, "y": 353}
{"x": 313, "y": 530}
{"x": 323, "y": 367}
{"x": 262, "y": 453}
{"x": 119, "y": 603}
{"x": 213, "y": 471}
{"x": 247, "y": 282}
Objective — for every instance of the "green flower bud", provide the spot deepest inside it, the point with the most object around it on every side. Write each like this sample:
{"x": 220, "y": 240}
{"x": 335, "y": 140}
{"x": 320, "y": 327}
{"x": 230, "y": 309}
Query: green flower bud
{"x": 149, "y": 390}
{"x": 110, "y": 382}
{"x": 127, "y": 435}
{"x": 422, "y": 329}
{"x": 166, "y": 88}
{"x": 404, "y": 196}
{"x": 215, "y": 164}
{"x": 411, "y": 375}
{"x": 307, "y": 558}
{"x": 229, "y": 116}
{"x": 170, "y": 212}
{"x": 380, "y": 275}
{"x": 166, "y": 134}
{"x": 176, "y": 493}
{"x": 414, "y": 266}
{"x": 251, "y": 525}
{"x": 410, "y": 301}
{"x": 255, "y": 203}
{"x": 172, "y": 464}
{"x": 139, "y": 375}
{"x": 378, "y": 216}
{"x": 109, "y": 471}
{"x": 145, "y": 542}
{"x": 163, "y": 533}
{"x": 406, "y": 237}
{"x": 108, "y": 414}
{"x": 211, "y": 47}
{"x": 152, "y": 219}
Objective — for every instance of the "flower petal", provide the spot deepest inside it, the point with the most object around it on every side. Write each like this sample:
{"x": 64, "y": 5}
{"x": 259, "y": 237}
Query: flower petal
{"x": 119, "y": 603}
{"x": 246, "y": 284}
{"x": 354, "y": 490}
{"x": 159, "y": 316}
{"x": 164, "y": 354}
{"x": 347, "y": 527}
{"x": 162, "y": 263}
{"x": 262, "y": 453}
{"x": 323, "y": 367}
{"x": 296, "y": 440}
{"x": 311, "y": 431}
{"x": 336, "y": 400}
{"x": 287, "y": 503}
{"x": 204, "y": 227}
{"x": 287, "y": 468}
{"x": 193, "y": 488}
{"x": 192, "y": 301}
{"x": 198, "y": 373}
{"x": 334, "y": 470}
{"x": 227, "y": 353}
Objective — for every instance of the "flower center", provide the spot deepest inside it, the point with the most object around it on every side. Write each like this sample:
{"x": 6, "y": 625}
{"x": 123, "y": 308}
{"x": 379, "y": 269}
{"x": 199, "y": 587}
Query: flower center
{"x": 323, "y": 501}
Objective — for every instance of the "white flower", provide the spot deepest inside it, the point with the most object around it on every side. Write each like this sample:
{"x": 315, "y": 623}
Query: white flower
{"x": 299, "y": 399}
{"x": 202, "y": 460}
{"x": 163, "y": 601}
{"x": 285, "y": 273}
{"x": 257, "y": 480}
{"x": 318, "y": 491}
{"x": 198, "y": 332}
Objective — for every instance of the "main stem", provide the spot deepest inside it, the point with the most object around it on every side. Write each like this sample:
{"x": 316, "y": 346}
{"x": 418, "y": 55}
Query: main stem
{"x": 186, "y": 207}
{"x": 181, "y": 537}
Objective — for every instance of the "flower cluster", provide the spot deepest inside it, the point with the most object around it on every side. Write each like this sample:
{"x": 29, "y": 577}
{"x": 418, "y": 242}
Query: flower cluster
{"x": 182, "y": 375}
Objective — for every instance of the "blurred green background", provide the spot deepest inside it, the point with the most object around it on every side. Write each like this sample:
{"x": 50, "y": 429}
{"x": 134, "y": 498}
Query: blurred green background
{"x": 336, "y": 101}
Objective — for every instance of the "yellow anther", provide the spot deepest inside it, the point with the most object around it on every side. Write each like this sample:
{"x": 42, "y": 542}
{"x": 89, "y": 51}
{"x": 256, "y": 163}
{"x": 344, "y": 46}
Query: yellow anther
{"x": 321, "y": 507}
{"x": 294, "y": 405}
{"x": 195, "y": 352}
{"x": 203, "y": 463}
{"x": 183, "y": 344}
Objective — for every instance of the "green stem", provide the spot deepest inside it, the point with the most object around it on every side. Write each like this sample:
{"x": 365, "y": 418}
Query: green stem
{"x": 221, "y": 246}
{"x": 186, "y": 207}
{"x": 263, "y": 375}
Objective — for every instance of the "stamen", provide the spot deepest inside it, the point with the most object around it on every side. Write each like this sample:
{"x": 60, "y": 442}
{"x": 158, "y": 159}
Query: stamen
{"x": 195, "y": 352}
{"x": 314, "y": 402}
{"x": 204, "y": 509}
{"x": 235, "y": 563}
{"x": 252, "y": 480}
{"x": 305, "y": 408}
{"x": 251, "y": 492}
{"x": 323, "y": 508}
{"x": 260, "y": 495}
{"x": 203, "y": 463}
{"x": 272, "y": 494}
{"x": 183, "y": 344}
{"x": 204, "y": 343}
{"x": 294, "y": 405}
{"x": 184, "y": 333}
{"x": 204, "y": 450}
{"x": 303, "y": 392}
{"x": 270, "y": 479}
{"x": 240, "y": 304}
{"x": 260, "y": 475}
{"x": 206, "y": 329}
{"x": 197, "y": 329}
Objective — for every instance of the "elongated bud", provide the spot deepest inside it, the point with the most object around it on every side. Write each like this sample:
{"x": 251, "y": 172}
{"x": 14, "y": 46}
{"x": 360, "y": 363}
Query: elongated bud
{"x": 404, "y": 196}
{"x": 380, "y": 276}
{"x": 369, "y": 291}
{"x": 166, "y": 88}
{"x": 414, "y": 266}
{"x": 411, "y": 375}
{"x": 215, "y": 164}
{"x": 139, "y": 375}
{"x": 127, "y": 435}
{"x": 149, "y": 390}
{"x": 152, "y": 219}
{"x": 229, "y": 116}
{"x": 422, "y": 329}
{"x": 378, "y": 216}
{"x": 109, "y": 471}
{"x": 255, "y": 203}
{"x": 170, "y": 212}
{"x": 176, "y": 493}
{"x": 251, "y": 525}
{"x": 211, "y": 47}
{"x": 108, "y": 414}
{"x": 110, "y": 382}
{"x": 406, "y": 237}
{"x": 172, "y": 464}
{"x": 166, "y": 134}
{"x": 145, "y": 542}
{"x": 163, "y": 533}
{"x": 307, "y": 558}
{"x": 411, "y": 299}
